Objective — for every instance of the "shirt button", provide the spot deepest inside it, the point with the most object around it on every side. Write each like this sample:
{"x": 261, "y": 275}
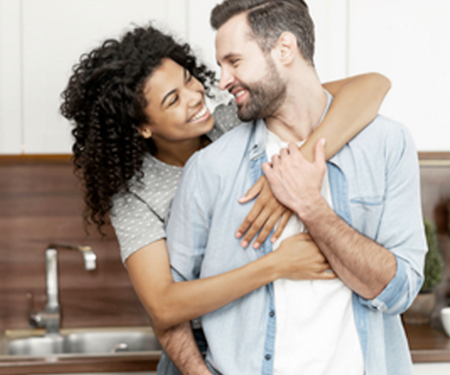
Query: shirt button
{"x": 272, "y": 314}
{"x": 268, "y": 357}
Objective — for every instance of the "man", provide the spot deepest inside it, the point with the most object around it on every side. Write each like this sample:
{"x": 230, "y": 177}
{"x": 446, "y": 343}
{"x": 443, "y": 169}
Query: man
{"x": 362, "y": 209}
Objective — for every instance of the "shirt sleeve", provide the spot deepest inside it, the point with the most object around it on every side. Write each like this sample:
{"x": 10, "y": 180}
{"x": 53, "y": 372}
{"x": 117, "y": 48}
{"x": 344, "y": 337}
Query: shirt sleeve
{"x": 401, "y": 228}
{"x": 135, "y": 224}
{"x": 225, "y": 116}
{"x": 189, "y": 222}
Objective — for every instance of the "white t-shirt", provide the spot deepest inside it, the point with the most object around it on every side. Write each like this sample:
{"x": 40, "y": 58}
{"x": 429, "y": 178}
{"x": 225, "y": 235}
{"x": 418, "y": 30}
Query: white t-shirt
{"x": 316, "y": 332}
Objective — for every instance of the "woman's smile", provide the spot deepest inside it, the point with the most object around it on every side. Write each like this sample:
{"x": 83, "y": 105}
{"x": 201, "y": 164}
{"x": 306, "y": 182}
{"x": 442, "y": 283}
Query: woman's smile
{"x": 202, "y": 115}
{"x": 176, "y": 105}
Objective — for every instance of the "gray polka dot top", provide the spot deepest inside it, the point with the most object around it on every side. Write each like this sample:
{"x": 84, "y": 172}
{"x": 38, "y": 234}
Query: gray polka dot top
{"x": 139, "y": 217}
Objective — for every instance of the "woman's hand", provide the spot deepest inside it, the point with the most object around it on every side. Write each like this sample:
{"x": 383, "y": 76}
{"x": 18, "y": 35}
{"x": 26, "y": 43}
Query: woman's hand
{"x": 301, "y": 259}
{"x": 265, "y": 213}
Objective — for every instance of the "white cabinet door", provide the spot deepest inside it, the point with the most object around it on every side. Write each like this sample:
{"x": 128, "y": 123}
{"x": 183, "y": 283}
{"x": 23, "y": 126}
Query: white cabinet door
{"x": 330, "y": 18}
{"x": 431, "y": 369}
{"x": 54, "y": 34}
{"x": 10, "y": 77}
{"x": 331, "y": 26}
{"x": 407, "y": 40}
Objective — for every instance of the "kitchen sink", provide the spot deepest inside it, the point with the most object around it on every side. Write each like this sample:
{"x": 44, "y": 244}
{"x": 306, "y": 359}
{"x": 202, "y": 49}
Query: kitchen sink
{"x": 99, "y": 341}
{"x": 110, "y": 342}
{"x": 36, "y": 346}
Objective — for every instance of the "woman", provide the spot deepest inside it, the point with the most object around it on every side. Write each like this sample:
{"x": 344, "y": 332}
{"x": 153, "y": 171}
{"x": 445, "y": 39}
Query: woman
{"x": 138, "y": 105}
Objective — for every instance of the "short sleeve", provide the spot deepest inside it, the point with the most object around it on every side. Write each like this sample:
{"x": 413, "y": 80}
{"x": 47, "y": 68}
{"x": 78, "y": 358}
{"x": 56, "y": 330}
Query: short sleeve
{"x": 225, "y": 116}
{"x": 135, "y": 224}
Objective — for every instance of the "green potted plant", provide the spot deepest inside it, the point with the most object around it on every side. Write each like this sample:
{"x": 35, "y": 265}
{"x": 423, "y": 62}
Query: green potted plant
{"x": 422, "y": 307}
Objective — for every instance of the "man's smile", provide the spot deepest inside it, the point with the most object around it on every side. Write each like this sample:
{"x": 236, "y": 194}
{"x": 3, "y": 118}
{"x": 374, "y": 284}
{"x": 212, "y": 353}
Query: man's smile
{"x": 240, "y": 94}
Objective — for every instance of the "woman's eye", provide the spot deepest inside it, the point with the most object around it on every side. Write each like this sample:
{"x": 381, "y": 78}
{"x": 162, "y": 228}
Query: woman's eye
{"x": 174, "y": 100}
{"x": 234, "y": 62}
{"x": 188, "y": 76}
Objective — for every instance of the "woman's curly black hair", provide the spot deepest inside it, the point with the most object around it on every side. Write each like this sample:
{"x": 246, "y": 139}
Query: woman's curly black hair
{"x": 104, "y": 99}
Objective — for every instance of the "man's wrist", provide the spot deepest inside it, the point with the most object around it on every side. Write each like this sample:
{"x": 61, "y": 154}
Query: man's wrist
{"x": 199, "y": 371}
{"x": 196, "y": 368}
{"x": 312, "y": 209}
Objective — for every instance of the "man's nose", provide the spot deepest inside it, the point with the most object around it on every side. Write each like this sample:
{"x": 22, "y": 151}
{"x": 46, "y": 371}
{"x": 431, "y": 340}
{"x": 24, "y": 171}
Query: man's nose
{"x": 226, "y": 79}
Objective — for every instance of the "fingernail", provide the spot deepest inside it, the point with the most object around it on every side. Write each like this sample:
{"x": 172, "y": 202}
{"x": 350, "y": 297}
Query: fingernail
{"x": 244, "y": 243}
{"x": 273, "y": 239}
{"x": 238, "y": 234}
{"x": 256, "y": 245}
{"x": 323, "y": 140}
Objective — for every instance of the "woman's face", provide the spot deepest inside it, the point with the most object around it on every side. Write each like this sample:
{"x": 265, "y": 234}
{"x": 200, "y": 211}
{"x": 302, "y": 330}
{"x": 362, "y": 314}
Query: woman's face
{"x": 176, "y": 105}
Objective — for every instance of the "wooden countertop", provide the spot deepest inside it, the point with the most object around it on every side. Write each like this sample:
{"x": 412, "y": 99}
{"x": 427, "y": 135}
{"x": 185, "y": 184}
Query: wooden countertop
{"x": 125, "y": 362}
{"x": 426, "y": 343}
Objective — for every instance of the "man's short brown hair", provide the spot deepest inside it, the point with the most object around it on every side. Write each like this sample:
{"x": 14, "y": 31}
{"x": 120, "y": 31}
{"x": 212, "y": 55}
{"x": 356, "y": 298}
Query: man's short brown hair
{"x": 268, "y": 19}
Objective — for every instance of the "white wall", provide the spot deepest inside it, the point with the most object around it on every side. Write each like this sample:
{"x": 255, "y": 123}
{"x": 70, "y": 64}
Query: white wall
{"x": 432, "y": 369}
{"x": 407, "y": 40}
{"x": 41, "y": 39}
{"x": 10, "y": 77}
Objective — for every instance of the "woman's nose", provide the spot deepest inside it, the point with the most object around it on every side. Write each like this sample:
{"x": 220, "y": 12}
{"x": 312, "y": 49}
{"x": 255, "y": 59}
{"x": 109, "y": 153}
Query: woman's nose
{"x": 194, "y": 96}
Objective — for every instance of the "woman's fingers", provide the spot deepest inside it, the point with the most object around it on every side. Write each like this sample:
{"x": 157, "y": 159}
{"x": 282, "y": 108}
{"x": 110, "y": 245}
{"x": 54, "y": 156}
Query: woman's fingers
{"x": 281, "y": 225}
{"x": 256, "y": 225}
{"x": 268, "y": 226}
{"x": 249, "y": 219}
{"x": 253, "y": 191}
{"x": 263, "y": 216}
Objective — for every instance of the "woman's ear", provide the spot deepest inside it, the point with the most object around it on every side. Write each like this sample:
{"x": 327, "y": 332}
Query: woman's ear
{"x": 145, "y": 131}
{"x": 286, "y": 48}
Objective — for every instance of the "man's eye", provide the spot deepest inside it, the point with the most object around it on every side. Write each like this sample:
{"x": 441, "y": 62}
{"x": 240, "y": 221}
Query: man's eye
{"x": 234, "y": 62}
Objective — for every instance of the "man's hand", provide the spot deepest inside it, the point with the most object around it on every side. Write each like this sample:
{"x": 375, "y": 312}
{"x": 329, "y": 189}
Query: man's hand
{"x": 296, "y": 182}
{"x": 363, "y": 265}
{"x": 264, "y": 214}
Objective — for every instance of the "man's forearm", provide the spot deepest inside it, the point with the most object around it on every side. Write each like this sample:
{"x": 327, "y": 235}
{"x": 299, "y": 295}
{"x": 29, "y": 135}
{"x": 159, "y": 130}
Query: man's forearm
{"x": 179, "y": 344}
{"x": 363, "y": 265}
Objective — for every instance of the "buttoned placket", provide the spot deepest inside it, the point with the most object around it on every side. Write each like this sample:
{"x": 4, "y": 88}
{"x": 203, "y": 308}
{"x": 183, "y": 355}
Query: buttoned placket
{"x": 258, "y": 156}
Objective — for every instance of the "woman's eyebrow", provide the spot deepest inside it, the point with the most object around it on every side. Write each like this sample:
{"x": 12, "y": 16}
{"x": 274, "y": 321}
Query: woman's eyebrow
{"x": 167, "y": 96}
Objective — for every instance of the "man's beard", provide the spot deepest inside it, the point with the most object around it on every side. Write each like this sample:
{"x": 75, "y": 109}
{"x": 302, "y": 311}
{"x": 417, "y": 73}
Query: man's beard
{"x": 264, "y": 98}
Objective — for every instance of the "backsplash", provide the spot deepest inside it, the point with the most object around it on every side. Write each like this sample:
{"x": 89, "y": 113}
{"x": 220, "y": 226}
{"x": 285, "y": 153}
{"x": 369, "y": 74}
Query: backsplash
{"x": 41, "y": 202}
{"x": 435, "y": 190}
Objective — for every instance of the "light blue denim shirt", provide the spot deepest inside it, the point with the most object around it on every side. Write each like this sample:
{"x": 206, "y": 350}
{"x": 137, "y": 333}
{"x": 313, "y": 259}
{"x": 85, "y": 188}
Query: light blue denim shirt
{"x": 375, "y": 188}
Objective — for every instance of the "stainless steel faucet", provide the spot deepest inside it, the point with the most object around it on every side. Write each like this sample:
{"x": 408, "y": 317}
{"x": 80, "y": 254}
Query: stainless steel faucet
{"x": 51, "y": 317}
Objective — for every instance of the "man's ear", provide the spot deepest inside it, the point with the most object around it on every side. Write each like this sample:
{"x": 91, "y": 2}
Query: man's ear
{"x": 145, "y": 131}
{"x": 286, "y": 48}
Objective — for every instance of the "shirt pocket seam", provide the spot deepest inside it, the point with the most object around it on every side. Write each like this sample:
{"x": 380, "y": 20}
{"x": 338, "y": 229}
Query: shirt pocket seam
{"x": 368, "y": 201}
